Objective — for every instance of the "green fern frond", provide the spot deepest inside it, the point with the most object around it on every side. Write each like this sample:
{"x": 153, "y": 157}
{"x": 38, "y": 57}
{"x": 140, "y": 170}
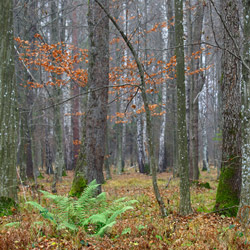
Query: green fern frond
{"x": 118, "y": 212}
{"x": 96, "y": 219}
{"x": 88, "y": 210}
{"x": 12, "y": 224}
{"x": 66, "y": 225}
{"x": 104, "y": 229}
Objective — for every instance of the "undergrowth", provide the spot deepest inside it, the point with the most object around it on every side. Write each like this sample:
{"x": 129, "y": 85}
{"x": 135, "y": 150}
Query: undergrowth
{"x": 140, "y": 228}
{"x": 91, "y": 212}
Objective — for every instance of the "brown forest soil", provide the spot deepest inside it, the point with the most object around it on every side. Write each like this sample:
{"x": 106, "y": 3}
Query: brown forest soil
{"x": 146, "y": 229}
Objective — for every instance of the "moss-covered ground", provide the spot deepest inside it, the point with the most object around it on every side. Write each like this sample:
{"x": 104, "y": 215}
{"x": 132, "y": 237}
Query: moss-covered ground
{"x": 140, "y": 228}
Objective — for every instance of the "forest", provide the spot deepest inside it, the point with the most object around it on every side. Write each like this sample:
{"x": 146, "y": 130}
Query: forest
{"x": 124, "y": 124}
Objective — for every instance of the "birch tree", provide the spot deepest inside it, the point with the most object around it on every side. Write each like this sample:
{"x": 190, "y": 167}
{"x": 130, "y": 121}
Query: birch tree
{"x": 243, "y": 213}
{"x": 165, "y": 88}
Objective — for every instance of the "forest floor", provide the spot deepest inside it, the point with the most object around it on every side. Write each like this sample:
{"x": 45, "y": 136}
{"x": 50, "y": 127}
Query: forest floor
{"x": 140, "y": 228}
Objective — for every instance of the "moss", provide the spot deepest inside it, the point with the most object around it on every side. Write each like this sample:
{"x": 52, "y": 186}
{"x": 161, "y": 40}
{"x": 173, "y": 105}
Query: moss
{"x": 202, "y": 184}
{"x": 64, "y": 173}
{"x": 147, "y": 168}
{"x": 78, "y": 186}
{"x": 6, "y": 205}
{"x": 227, "y": 200}
{"x": 40, "y": 176}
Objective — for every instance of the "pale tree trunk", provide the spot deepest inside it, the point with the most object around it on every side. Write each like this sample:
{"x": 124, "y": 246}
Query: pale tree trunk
{"x": 145, "y": 143}
{"x": 203, "y": 122}
{"x": 228, "y": 192}
{"x": 139, "y": 137}
{"x": 118, "y": 140}
{"x": 141, "y": 131}
{"x": 57, "y": 122}
{"x": 165, "y": 95}
{"x": 75, "y": 102}
{"x": 124, "y": 95}
{"x": 144, "y": 123}
{"x": 107, "y": 157}
{"x": 48, "y": 151}
{"x": 218, "y": 119}
{"x": 162, "y": 148}
{"x": 122, "y": 136}
{"x": 185, "y": 205}
{"x": 244, "y": 208}
{"x": 195, "y": 88}
{"x": 8, "y": 113}
{"x": 162, "y": 137}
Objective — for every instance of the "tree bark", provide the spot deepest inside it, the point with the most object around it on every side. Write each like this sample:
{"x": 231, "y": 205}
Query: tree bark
{"x": 8, "y": 113}
{"x": 228, "y": 192}
{"x": 75, "y": 102}
{"x": 196, "y": 86}
{"x": 185, "y": 205}
{"x": 98, "y": 78}
{"x": 243, "y": 213}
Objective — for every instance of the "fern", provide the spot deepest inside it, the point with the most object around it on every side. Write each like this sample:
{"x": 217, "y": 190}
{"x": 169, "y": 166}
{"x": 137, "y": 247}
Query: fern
{"x": 89, "y": 211}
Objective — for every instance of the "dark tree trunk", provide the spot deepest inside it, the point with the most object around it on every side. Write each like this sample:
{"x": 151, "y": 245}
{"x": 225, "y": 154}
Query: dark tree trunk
{"x": 8, "y": 115}
{"x": 228, "y": 193}
{"x": 96, "y": 114}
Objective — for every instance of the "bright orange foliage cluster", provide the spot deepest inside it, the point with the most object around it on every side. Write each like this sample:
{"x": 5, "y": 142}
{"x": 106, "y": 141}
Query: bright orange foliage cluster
{"x": 70, "y": 63}
{"x": 56, "y": 59}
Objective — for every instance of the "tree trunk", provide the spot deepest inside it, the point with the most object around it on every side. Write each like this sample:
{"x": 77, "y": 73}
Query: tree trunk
{"x": 243, "y": 213}
{"x": 8, "y": 114}
{"x": 196, "y": 86}
{"x": 57, "y": 123}
{"x": 185, "y": 206}
{"x": 167, "y": 101}
{"x": 98, "y": 78}
{"x": 228, "y": 192}
{"x": 75, "y": 102}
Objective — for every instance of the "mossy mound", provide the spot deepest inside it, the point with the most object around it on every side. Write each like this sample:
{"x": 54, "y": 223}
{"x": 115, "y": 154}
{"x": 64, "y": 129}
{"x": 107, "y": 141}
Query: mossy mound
{"x": 64, "y": 173}
{"x": 6, "y": 206}
{"x": 40, "y": 176}
{"x": 147, "y": 168}
{"x": 78, "y": 186}
{"x": 202, "y": 184}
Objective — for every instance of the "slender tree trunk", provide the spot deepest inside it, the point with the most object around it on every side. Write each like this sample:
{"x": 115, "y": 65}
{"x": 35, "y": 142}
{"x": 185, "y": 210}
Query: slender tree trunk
{"x": 75, "y": 102}
{"x": 107, "y": 158}
{"x": 167, "y": 100}
{"x": 139, "y": 141}
{"x": 204, "y": 108}
{"x": 185, "y": 206}
{"x": 162, "y": 147}
{"x": 49, "y": 168}
{"x": 196, "y": 86}
{"x": 57, "y": 123}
